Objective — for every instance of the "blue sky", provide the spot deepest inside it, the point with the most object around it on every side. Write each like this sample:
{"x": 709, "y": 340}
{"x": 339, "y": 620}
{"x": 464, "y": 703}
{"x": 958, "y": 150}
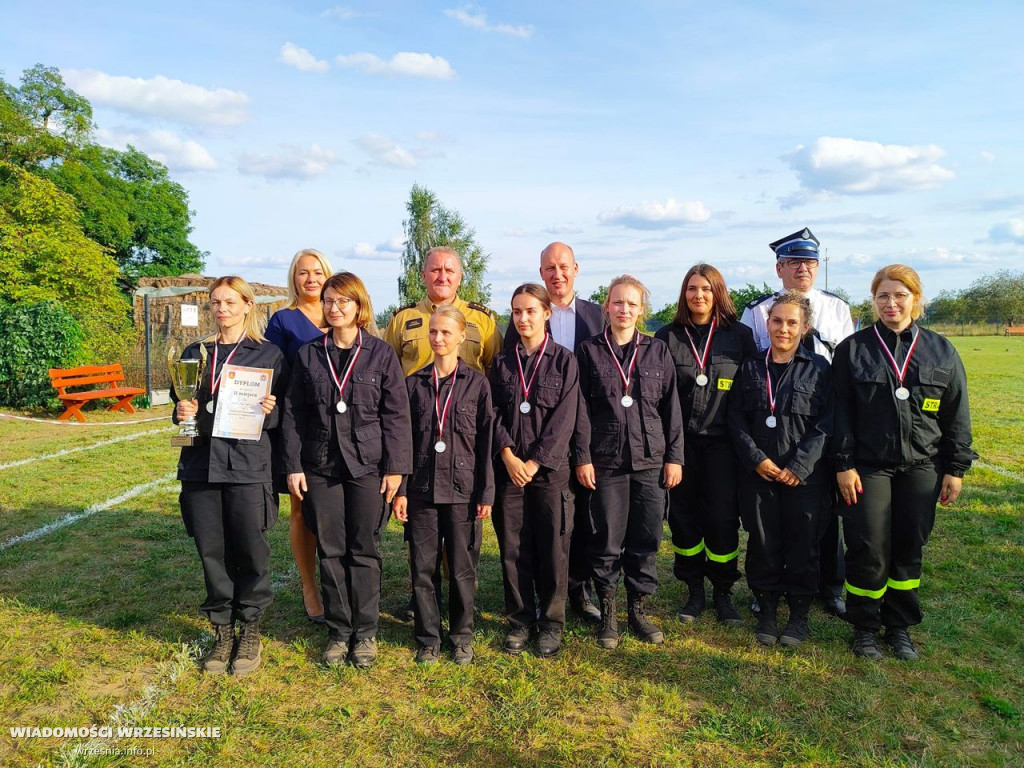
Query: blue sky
{"x": 647, "y": 135}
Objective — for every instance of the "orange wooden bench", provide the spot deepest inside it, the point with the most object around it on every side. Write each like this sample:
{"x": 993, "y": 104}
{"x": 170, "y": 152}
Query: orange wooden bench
{"x": 1015, "y": 330}
{"x": 107, "y": 376}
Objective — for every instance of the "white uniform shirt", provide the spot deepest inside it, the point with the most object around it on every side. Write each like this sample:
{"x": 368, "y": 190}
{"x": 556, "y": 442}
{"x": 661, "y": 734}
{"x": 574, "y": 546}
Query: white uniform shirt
{"x": 563, "y": 325}
{"x": 830, "y": 317}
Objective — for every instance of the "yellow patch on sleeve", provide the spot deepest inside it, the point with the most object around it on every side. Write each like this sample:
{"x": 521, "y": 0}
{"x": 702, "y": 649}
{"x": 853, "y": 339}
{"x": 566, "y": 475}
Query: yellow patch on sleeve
{"x": 930, "y": 405}
{"x": 725, "y": 384}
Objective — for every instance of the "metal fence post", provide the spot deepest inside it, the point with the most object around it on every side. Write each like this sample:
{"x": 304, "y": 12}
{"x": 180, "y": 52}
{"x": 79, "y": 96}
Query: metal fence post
{"x": 149, "y": 371}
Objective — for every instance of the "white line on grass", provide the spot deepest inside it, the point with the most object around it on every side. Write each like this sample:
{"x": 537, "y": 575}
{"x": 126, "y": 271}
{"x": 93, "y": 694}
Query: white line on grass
{"x": 999, "y": 470}
{"x": 74, "y": 517}
{"x": 68, "y": 451}
{"x": 81, "y": 423}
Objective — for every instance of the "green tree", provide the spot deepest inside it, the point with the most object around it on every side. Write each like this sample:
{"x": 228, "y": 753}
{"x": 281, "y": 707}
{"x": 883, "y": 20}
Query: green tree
{"x": 429, "y": 224}
{"x": 947, "y": 307}
{"x": 600, "y": 295}
{"x": 45, "y": 256}
{"x": 743, "y": 296}
{"x": 130, "y": 205}
{"x": 998, "y": 298}
{"x": 42, "y": 120}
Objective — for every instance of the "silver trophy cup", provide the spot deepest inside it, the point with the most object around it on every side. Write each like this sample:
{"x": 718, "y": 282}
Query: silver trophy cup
{"x": 185, "y": 374}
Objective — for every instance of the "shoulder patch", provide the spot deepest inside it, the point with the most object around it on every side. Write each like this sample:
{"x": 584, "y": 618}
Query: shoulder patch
{"x": 416, "y": 322}
{"x": 836, "y": 296}
{"x": 403, "y": 308}
{"x": 760, "y": 299}
{"x": 479, "y": 308}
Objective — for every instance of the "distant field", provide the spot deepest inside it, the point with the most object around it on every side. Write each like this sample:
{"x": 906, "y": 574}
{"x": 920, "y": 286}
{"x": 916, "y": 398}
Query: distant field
{"x": 98, "y": 626}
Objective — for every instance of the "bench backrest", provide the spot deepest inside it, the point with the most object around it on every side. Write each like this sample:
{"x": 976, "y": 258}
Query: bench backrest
{"x": 85, "y": 375}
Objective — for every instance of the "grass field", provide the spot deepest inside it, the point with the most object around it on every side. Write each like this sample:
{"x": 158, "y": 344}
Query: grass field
{"x": 98, "y": 626}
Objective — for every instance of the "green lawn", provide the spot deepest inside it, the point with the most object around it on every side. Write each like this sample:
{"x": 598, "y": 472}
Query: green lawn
{"x": 98, "y": 626}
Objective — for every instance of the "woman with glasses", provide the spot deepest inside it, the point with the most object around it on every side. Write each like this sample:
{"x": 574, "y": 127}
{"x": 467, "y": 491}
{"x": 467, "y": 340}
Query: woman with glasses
{"x": 227, "y": 499}
{"x": 289, "y": 328}
{"x": 902, "y": 443}
{"x": 707, "y": 343}
{"x": 346, "y": 431}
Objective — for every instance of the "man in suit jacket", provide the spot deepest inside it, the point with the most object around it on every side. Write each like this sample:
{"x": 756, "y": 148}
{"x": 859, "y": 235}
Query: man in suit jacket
{"x": 573, "y": 320}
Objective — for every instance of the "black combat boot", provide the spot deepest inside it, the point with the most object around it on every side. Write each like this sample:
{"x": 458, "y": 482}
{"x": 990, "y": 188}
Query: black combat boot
{"x": 224, "y": 642}
{"x": 639, "y": 624}
{"x": 696, "y": 601}
{"x": 767, "y": 630}
{"x": 250, "y": 649}
{"x": 865, "y": 644}
{"x": 608, "y": 633}
{"x": 796, "y": 630}
{"x": 727, "y": 613}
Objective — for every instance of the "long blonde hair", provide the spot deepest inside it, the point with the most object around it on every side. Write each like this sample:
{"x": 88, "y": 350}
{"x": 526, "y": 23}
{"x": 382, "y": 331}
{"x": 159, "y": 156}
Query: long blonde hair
{"x": 255, "y": 322}
{"x": 325, "y": 265}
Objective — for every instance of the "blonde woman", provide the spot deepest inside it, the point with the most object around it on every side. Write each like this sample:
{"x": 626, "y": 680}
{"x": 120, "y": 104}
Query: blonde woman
{"x": 227, "y": 497}
{"x": 290, "y": 328}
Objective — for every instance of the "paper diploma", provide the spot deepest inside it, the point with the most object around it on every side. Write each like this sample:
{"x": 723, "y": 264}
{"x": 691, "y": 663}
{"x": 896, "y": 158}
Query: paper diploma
{"x": 239, "y": 414}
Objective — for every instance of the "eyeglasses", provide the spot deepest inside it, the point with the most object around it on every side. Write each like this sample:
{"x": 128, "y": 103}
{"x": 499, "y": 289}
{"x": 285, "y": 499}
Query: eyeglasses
{"x": 341, "y": 303}
{"x": 795, "y": 264}
{"x": 900, "y": 298}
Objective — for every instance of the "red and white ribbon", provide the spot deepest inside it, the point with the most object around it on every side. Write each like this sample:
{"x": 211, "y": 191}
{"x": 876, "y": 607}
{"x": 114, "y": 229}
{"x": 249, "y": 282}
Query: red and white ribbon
{"x": 625, "y": 375}
{"x": 340, "y": 384}
{"x": 536, "y": 367}
{"x": 901, "y": 371}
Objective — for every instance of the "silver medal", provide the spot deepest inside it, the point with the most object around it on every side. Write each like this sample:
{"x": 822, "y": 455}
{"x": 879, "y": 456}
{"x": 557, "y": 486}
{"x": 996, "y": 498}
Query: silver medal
{"x": 626, "y": 401}
{"x": 209, "y": 407}
{"x": 440, "y": 447}
{"x": 771, "y": 422}
{"x": 525, "y": 408}
{"x": 342, "y": 406}
{"x": 702, "y": 380}
{"x": 902, "y": 393}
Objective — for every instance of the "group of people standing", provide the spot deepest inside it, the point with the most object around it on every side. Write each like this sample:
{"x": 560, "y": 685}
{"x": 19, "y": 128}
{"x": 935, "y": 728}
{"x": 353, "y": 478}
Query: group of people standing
{"x": 578, "y": 434}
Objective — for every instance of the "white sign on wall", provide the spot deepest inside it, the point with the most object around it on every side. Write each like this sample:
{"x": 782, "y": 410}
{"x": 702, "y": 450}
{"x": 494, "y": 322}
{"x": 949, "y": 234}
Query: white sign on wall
{"x": 189, "y": 316}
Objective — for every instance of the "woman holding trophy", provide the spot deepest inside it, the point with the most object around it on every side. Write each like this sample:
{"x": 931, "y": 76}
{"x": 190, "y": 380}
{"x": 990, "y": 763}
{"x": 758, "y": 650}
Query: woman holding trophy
{"x": 227, "y": 497}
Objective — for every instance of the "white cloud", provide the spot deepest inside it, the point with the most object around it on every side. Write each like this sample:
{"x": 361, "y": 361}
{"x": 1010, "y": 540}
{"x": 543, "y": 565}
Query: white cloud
{"x": 383, "y": 151}
{"x": 512, "y": 233}
{"x": 1010, "y": 231}
{"x": 987, "y": 157}
{"x": 364, "y": 251}
{"x": 290, "y": 163}
{"x": 176, "y": 153}
{"x": 404, "y": 63}
{"x": 301, "y": 59}
{"x": 656, "y": 215}
{"x": 161, "y": 97}
{"x": 852, "y": 167}
{"x": 342, "y": 13}
{"x": 563, "y": 229}
{"x": 938, "y": 256}
{"x": 478, "y": 20}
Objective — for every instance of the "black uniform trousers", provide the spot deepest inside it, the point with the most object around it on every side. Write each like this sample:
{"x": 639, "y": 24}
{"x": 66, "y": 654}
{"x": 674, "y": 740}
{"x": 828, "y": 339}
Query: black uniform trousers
{"x": 886, "y": 531}
{"x": 628, "y": 510}
{"x": 703, "y": 513}
{"x": 431, "y": 530}
{"x": 346, "y": 515}
{"x": 228, "y": 522}
{"x": 784, "y": 525}
{"x": 534, "y": 526}
{"x": 832, "y": 567}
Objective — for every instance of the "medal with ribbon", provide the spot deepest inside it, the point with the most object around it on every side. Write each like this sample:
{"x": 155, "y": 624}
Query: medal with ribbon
{"x": 702, "y": 357}
{"x": 902, "y": 393}
{"x": 439, "y": 411}
{"x": 342, "y": 406}
{"x": 626, "y": 376}
{"x": 771, "y": 421}
{"x": 214, "y": 377}
{"x": 525, "y": 406}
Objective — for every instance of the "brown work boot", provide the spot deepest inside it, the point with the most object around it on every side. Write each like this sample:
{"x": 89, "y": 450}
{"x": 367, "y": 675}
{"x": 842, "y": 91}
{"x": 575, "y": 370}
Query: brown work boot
{"x": 250, "y": 649}
{"x": 217, "y": 660}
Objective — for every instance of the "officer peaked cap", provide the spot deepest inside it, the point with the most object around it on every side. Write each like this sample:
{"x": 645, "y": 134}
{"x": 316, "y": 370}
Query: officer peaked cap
{"x": 799, "y": 245}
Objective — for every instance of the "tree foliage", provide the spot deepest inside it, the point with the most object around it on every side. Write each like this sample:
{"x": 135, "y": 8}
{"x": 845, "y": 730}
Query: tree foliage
{"x": 34, "y": 337}
{"x": 45, "y": 256}
{"x": 429, "y": 224}
{"x": 126, "y": 201}
{"x": 998, "y": 297}
{"x": 743, "y": 296}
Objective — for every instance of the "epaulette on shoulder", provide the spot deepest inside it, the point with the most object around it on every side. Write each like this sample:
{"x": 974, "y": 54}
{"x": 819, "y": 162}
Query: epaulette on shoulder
{"x": 754, "y": 302}
{"x": 403, "y": 308}
{"x": 481, "y": 308}
{"x": 836, "y": 296}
